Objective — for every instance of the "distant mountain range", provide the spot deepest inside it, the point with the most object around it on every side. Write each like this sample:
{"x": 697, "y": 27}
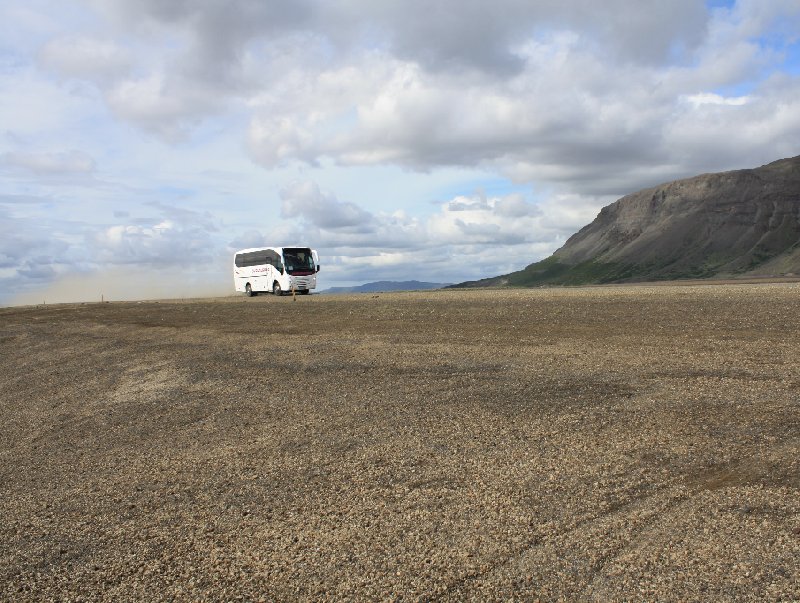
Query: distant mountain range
{"x": 729, "y": 224}
{"x": 386, "y": 286}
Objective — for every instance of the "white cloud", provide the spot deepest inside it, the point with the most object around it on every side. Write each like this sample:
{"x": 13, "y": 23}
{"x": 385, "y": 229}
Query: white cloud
{"x": 712, "y": 134}
{"x": 708, "y": 98}
{"x": 163, "y": 243}
{"x": 467, "y": 236}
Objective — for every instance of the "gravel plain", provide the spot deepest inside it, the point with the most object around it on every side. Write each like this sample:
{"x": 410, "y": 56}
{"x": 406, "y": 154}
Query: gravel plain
{"x": 590, "y": 444}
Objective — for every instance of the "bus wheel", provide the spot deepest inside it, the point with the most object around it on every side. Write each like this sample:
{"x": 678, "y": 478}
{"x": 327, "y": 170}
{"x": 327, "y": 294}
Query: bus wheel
{"x": 276, "y": 288}
{"x": 248, "y": 290}
{"x": 303, "y": 291}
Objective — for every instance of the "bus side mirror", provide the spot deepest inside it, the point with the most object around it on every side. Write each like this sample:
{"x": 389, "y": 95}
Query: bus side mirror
{"x": 317, "y": 268}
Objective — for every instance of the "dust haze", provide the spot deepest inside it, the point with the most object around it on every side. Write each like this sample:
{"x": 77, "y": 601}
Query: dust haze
{"x": 128, "y": 285}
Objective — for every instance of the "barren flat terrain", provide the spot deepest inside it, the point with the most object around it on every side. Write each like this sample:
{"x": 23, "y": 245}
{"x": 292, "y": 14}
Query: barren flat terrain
{"x": 593, "y": 444}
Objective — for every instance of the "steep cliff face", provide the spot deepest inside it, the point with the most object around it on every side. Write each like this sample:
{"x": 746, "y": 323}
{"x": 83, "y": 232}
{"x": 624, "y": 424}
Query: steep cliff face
{"x": 714, "y": 225}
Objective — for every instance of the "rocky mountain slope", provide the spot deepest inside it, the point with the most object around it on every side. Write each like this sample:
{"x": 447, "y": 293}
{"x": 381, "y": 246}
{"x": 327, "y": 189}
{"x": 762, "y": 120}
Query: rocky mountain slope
{"x": 738, "y": 223}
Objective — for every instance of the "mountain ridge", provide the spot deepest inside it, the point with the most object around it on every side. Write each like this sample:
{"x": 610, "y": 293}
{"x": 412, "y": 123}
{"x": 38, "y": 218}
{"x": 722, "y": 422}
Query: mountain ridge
{"x": 718, "y": 225}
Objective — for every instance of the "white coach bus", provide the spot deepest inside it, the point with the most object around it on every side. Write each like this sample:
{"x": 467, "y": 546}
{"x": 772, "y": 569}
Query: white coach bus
{"x": 276, "y": 269}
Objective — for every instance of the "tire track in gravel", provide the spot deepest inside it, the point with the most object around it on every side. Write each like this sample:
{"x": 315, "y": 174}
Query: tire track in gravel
{"x": 522, "y": 561}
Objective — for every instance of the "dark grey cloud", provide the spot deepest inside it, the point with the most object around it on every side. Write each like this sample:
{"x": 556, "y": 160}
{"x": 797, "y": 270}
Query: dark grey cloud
{"x": 305, "y": 200}
{"x": 37, "y": 269}
{"x": 31, "y": 253}
{"x": 485, "y": 36}
{"x": 86, "y": 57}
{"x": 216, "y": 33}
{"x": 445, "y": 35}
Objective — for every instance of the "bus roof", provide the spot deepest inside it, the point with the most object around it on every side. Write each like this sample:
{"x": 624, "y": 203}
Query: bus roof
{"x": 251, "y": 249}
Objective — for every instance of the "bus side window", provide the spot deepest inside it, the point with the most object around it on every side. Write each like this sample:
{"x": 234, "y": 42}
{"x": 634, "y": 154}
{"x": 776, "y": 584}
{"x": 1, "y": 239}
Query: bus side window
{"x": 274, "y": 260}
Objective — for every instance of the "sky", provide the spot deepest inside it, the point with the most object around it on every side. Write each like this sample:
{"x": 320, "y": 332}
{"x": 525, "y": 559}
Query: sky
{"x": 142, "y": 142}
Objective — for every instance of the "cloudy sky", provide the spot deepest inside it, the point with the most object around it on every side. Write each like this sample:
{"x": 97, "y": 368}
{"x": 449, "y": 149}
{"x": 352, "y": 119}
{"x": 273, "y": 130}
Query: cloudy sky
{"x": 143, "y": 141}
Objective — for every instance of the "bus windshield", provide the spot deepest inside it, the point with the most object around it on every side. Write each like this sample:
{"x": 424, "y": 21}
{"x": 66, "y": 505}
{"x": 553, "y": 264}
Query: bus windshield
{"x": 298, "y": 260}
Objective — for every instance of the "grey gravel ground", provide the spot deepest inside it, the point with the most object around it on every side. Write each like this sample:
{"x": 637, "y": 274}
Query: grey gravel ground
{"x": 596, "y": 444}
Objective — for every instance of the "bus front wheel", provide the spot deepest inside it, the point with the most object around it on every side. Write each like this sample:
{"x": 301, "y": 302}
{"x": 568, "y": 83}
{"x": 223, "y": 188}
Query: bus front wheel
{"x": 248, "y": 290}
{"x": 276, "y": 288}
